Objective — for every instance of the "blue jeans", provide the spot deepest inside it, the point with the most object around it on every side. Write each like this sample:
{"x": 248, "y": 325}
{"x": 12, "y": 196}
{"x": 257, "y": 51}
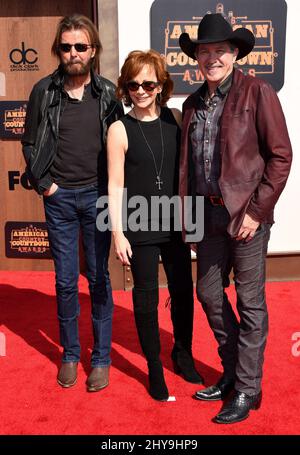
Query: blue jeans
{"x": 69, "y": 211}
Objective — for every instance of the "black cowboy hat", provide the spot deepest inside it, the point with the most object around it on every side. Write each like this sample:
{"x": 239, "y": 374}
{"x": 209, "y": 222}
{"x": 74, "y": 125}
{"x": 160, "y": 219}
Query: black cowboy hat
{"x": 213, "y": 29}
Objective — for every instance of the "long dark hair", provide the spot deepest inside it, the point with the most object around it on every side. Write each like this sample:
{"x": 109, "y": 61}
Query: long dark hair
{"x": 75, "y": 22}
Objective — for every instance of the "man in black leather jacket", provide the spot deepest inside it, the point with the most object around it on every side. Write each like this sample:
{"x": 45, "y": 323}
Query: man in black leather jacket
{"x": 64, "y": 146}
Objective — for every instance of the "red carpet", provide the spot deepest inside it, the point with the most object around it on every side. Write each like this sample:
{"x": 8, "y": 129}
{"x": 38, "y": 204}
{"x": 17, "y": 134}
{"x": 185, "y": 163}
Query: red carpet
{"x": 32, "y": 403}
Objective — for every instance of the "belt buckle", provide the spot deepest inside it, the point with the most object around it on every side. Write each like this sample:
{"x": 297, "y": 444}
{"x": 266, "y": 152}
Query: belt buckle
{"x": 216, "y": 200}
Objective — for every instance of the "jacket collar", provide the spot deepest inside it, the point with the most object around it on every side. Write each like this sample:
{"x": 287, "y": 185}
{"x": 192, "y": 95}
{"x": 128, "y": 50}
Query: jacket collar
{"x": 235, "y": 85}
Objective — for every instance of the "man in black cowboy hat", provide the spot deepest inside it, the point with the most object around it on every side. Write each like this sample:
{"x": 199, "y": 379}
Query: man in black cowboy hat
{"x": 236, "y": 153}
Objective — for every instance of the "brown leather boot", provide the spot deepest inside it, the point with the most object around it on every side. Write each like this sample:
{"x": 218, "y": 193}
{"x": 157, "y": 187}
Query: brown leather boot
{"x": 98, "y": 379}
{"x": 67, "y": 375}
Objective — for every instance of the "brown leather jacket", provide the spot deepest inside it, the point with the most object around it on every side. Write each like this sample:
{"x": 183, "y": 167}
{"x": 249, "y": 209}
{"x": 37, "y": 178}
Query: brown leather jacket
{"x": 255, "y": 149}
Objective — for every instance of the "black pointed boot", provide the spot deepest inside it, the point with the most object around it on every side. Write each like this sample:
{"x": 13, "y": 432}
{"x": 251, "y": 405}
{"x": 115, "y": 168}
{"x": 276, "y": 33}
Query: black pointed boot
{"x": 157, "y": 385}
{"x": 148, "y": 332}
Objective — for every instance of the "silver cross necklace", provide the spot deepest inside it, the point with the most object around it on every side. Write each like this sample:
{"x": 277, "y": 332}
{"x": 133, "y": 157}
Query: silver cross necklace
{"x": 158, "y": 182}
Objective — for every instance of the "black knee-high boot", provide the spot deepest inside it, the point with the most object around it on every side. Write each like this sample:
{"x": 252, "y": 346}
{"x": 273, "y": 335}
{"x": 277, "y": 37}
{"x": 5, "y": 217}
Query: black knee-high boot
{"x": 182, "y": 315}
{"x": 146, "y": 319}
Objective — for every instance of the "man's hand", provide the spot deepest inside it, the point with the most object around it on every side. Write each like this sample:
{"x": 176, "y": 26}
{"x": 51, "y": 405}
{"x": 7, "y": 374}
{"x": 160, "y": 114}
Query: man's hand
{"x": 248, "y": 229}
{"x": 51, "y": 190}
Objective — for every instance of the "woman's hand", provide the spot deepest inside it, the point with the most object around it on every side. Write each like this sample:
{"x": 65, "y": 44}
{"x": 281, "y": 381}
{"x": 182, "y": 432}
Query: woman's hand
{"x": 122, "y": 248}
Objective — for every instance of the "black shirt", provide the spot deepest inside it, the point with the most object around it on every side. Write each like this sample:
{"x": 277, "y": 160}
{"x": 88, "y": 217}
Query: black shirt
{"x": 140, "y": 175}
{"x": 77, "y": 162}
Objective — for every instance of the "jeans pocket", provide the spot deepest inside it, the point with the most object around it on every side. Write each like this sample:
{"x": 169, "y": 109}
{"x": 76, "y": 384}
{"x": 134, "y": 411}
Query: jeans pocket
{"x": 262, "y": 228}
{"x": 53, "y": 194}
{"x": 259, "y": 228}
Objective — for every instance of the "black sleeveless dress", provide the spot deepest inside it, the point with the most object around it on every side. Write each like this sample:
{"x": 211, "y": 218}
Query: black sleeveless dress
{"x": 140, "y": 177}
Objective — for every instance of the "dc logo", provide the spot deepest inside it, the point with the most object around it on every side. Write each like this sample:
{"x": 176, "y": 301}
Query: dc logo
{"x": 18, "y": 56}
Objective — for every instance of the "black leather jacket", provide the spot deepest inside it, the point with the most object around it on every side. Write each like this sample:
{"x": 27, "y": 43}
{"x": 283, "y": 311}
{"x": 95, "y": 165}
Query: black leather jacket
{"x": 42, "y": 123}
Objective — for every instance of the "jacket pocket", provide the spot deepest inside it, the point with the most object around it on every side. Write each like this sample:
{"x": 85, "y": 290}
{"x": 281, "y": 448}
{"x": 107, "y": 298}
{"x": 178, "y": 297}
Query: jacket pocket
{"x": 244, "y": 111}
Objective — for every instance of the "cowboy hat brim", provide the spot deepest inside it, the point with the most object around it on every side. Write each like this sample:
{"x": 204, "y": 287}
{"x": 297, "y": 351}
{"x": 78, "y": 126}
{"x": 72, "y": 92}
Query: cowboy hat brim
{"x": 241, "y": 37}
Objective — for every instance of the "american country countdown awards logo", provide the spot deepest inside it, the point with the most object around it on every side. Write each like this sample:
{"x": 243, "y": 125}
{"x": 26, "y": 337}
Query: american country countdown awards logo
{"x": 26, "y": 240}
{"x": 23, "y": 58}
{"x": 266, "y": 20}
{"x": 12, "y": 119}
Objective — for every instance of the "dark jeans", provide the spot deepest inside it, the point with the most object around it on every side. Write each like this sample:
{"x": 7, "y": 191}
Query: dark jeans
{"x": 69, "y": 211}
{"x": 176, "y": 259}
{"x": 241, "y": 343}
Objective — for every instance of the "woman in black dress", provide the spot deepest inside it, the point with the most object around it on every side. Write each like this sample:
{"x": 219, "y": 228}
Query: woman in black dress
{"x": 143, "y": 154}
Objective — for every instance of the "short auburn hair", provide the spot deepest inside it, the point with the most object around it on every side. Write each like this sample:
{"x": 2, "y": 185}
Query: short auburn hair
{"x": 133, "y": 64}
{"x": 78, "y": 22}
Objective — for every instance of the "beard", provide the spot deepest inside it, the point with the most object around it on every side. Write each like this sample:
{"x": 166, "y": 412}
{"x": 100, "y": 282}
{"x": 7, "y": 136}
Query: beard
{"x": 76, "y": 68}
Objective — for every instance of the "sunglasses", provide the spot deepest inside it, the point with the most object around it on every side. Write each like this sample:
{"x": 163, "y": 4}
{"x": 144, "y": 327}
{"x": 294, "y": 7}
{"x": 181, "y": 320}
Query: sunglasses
{"x": 79, "y": 47}
{"x": 148, "y": 86}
